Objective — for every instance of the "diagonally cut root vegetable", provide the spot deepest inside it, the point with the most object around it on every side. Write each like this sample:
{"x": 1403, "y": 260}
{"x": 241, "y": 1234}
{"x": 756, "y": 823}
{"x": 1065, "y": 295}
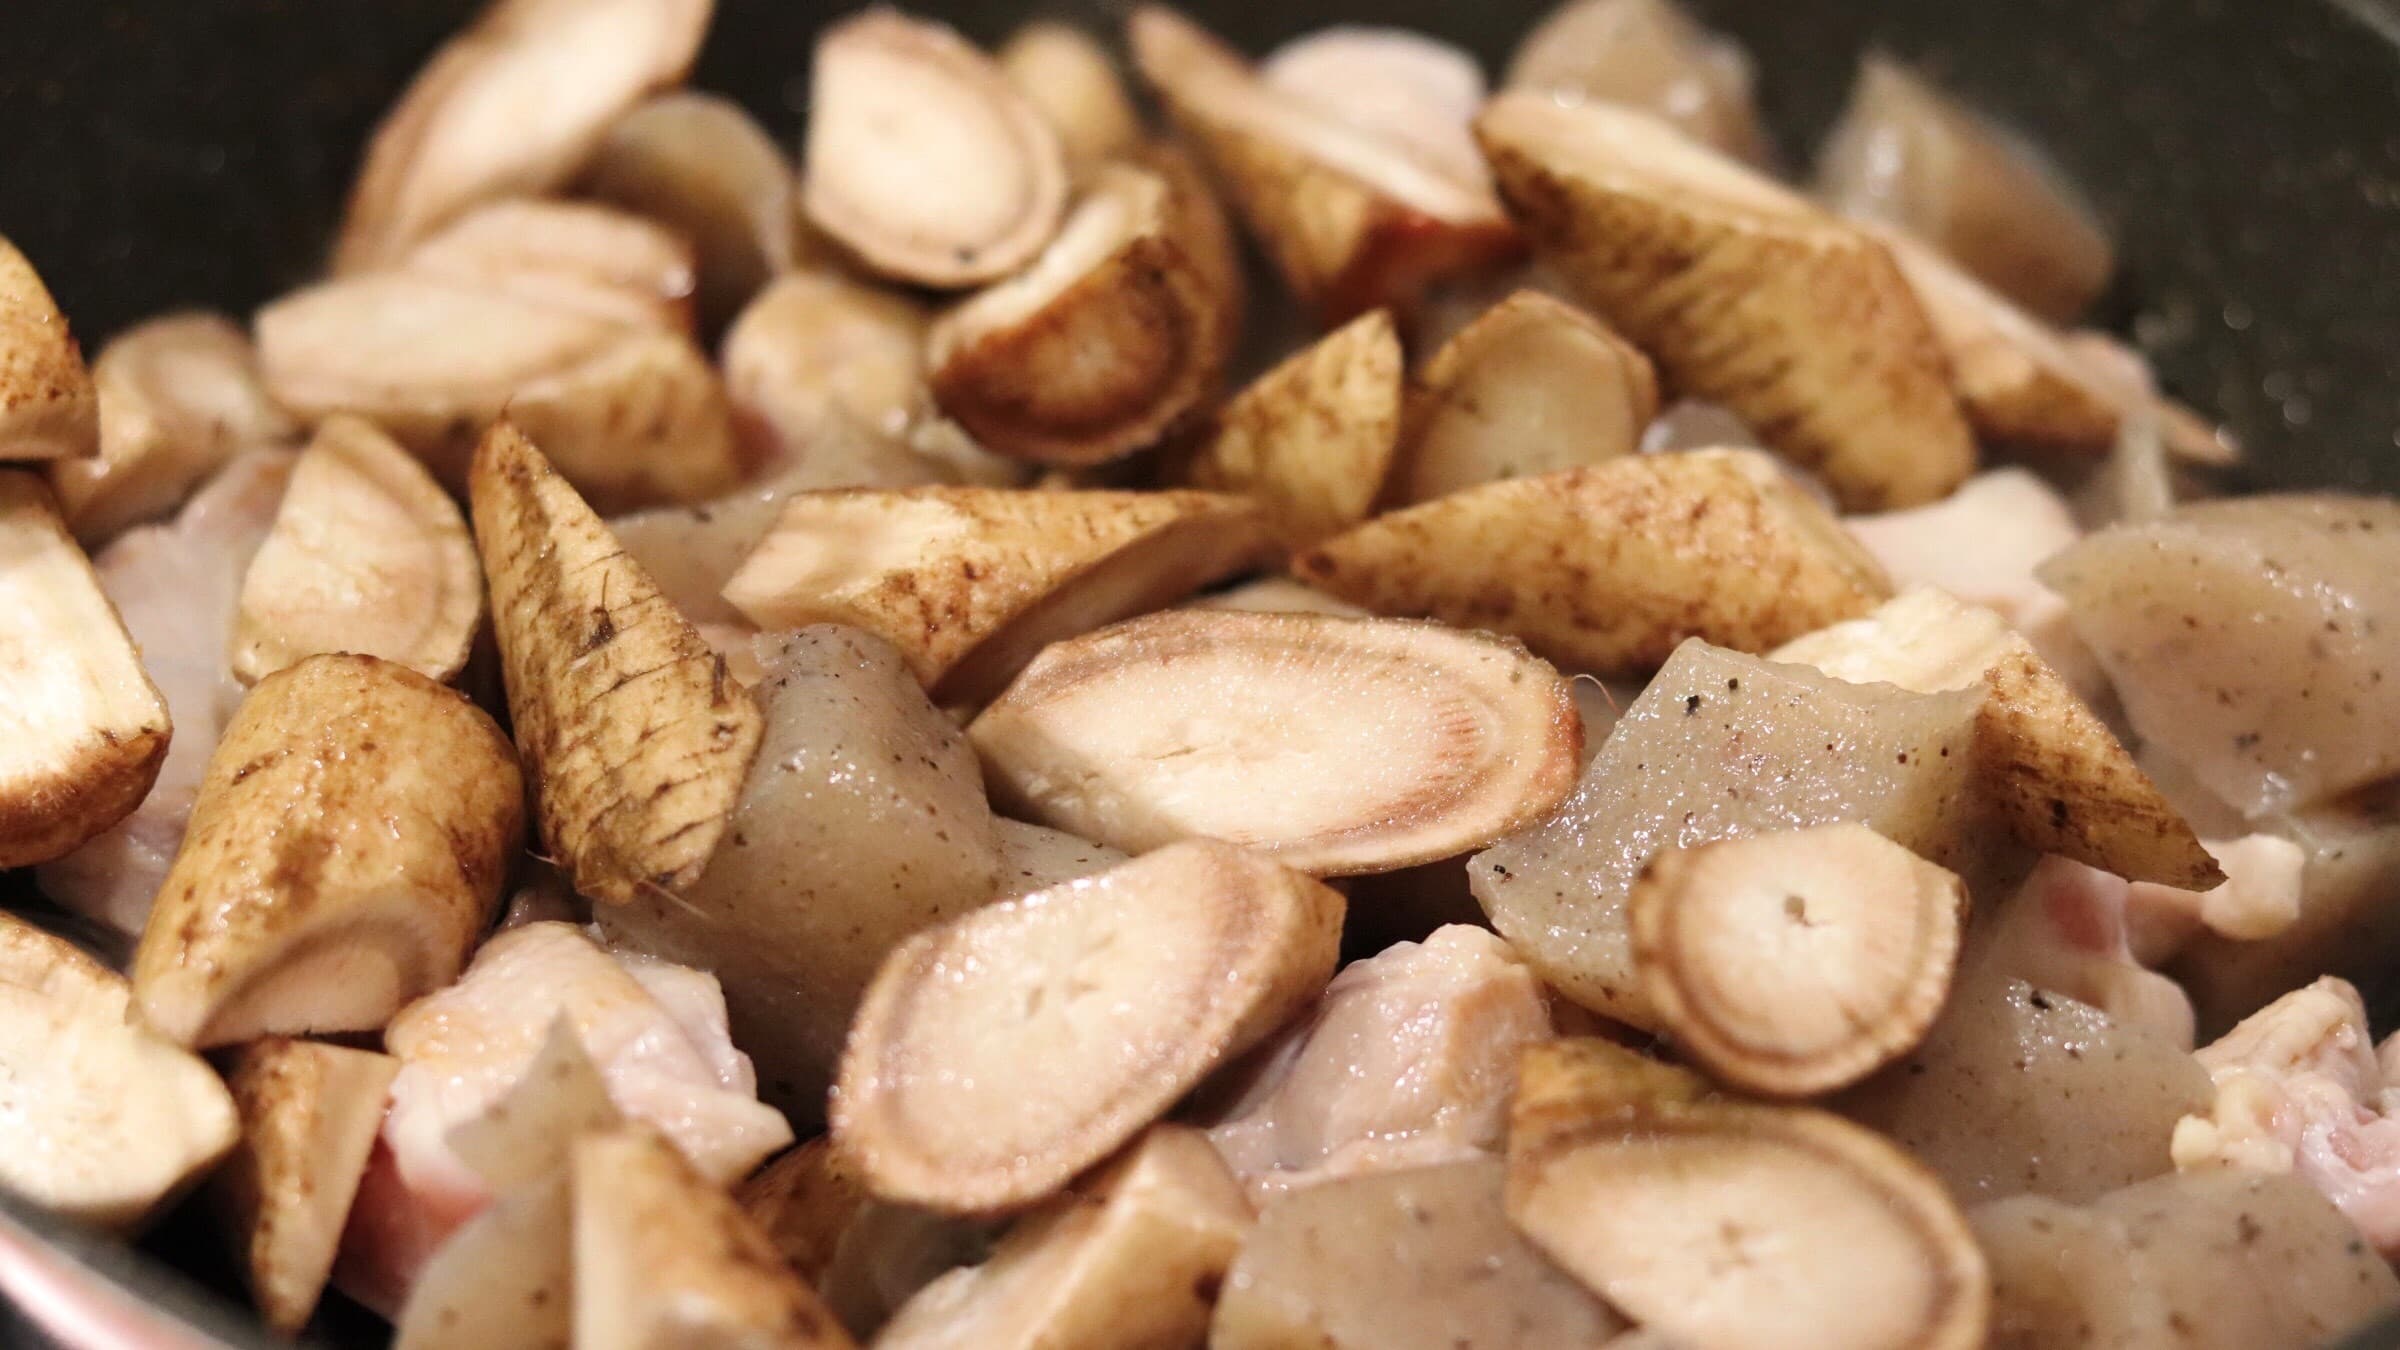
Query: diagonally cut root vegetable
{"x": 1065, "y": 72}
{"x": 921, "y": 158}
{"x": 701, "y": 166}
{"x": 1130, "y": 1258}
{"x": 1312, "y": 439}
{"x": 512, "y": 105}
{"x": 1745, "y": 294}
{"x": 1605, "y": 569}
{"x": 1650, "y": 55}
{"x": 1110, "y": 337}
{"x": 309, "y": 1114}
{"x": 347, "y": 848}
{"x": 82, "y": 729}
{"x": 506, "y": 1277}
{"x": 108, "y": 1122}
{"x": 367, "y": 555}
{"x": 2059, "y": 777}
{"x": 970, "y": 583}
{"x": 179, "y": 397}
{"x": 663, "y": 1259}
{"x": 1723, "y": 1224}
{"x": 1532, "y": 385}
{"x": 572, "y": 255}
{"x": 1335, "y": 746}
{"x": 1354, "y": 220}
{"x": 634, "y": 415}
{"x": 1797, "y": 962}
{"x": 1394, "y": 83}
{"x": 1122, "y": 991}
{"x": 635, "y": 738}
{"x": 816, "y": 349}
{"x": 48, "y": 409}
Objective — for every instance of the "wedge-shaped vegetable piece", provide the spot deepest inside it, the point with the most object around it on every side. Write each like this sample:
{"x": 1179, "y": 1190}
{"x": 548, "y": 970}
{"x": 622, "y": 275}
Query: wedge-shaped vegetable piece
{"x": 179, "y": 397}
{"x": 1532, "y": 385}
{"x": 1725, "y": 746}
{"x": 635, "y": 738}
{"x": 1745, "y": 294}
{"x": 1065, "y": 72}
{"x": 1725, "y": 1224}
{"x": 1422, "y": 1259}
{"x": 48, "y": 408}
{"x": 862, "y": 822}
{"x": 2252, "y": 640}
{"x": 512, "y": 105}
{"x": 634, "y": 415}
{"x": 506, "y": 1277}
{"x": 574, "y": 255}
{"x": 1335, "y": 746}
{"x": 347, "y": 848}
{"x": 866, "y": 1257}
{"x": 1797, "y": 962}
{"x": 1123, "y": 990}
{"x": 1393, "y": 83}
{"x": 816, "y": 346}
{"x": 82, "y": 727}
{"x": 1312, "y": 439}
{"x": 701, "y": 166}
{"x": 803, "y": 1201}
{"x": 2059, "y": 777}
{"x": 309, "y": 1114}
{"x": 1605, "y": 569}
{"x": 1646, "y": 54}
{"x": 1130, "y": 1257}
{"x": 367, "y": 555}
{"x": 109, "y": 1122}
{"x": 1906, "y": 154}
{"x": 1036, "y": 857}
{"x": 922, "y": 159}
{"x": 663, "y": 1259}
{"x": 970, "y": 583}
{"x": 1353, "y": 219}
{"x": 1103, "y": 343}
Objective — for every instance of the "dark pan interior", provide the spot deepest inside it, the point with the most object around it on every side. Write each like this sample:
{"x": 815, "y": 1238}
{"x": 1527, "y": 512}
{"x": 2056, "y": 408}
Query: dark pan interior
{"x": 2246, "y": 154}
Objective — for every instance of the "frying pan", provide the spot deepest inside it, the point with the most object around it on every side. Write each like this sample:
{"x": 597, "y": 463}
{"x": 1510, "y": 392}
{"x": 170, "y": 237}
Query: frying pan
{"x": 2245, "y": 153}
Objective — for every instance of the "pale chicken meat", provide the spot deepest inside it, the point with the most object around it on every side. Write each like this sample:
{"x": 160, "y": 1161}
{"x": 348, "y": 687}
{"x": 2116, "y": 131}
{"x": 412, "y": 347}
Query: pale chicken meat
{"x": 655, "y": 1030}
{"x": 1408, "y": 1061}
{"x": 2066, "y": 931}
{"x": 178, "y": 585}
{"x": 2301, "y": 1089}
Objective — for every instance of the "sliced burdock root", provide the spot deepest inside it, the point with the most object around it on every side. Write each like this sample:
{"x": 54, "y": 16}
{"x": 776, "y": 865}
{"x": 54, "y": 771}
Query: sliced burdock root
{"x": 817, "y": 349}
{"x": 48, "y": 408}
{"x": 1336, "y": 746}
{"x": 367, "y": 555}
{"x": 513, "y": 105}
{"x": 1312, "y": 439}
{"x": 1646, "y": 54}
{"x": 1353, "y": 220}
{"x": 1721, "y": 1223}
{"x": 1110, "y": 338}
{"x": 1745, "y": 294}
{"x": 1797, "y": 962}
{"x": 1402, "y": 86}
{"x": 970, "y": 583}
{"x": 574, "y": 255}
{"x": 1119, "y": 993}
{"x": 635, "y": 738}
{"x": 1066, "y": 73}
{"x": 1531, "y": 386}
{"x": 346, "y": 850}
{"x": 922, "y": 160}
{"x": 85, "y": 729}
{"x": 1606, "y": 569}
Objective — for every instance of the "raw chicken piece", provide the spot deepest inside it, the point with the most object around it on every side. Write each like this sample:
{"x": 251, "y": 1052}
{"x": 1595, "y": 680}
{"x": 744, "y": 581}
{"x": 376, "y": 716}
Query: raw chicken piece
{"x": 178, "y": 584}
{"x": 2065, "y": 930}
{"x": 655, "y": 1030}
{"x": 2301, "y": 1089}
{"x": 1408, "y": 1061}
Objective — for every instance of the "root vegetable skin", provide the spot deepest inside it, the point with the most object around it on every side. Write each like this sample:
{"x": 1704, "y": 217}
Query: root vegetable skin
{"x": 922, "y": 160}
{"x": 367, "y": 555}
{"x": 84, "y": 729}
{"x": 1335, "y": 746}
{"x": 1124, "y": 989}
{"x": 48, "y": 407}
{"x": 1312, "y": 439}
{"x": 348, "y": 846}
{"x": 1793, "y": 964}
{"x": 636, "y": 738}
